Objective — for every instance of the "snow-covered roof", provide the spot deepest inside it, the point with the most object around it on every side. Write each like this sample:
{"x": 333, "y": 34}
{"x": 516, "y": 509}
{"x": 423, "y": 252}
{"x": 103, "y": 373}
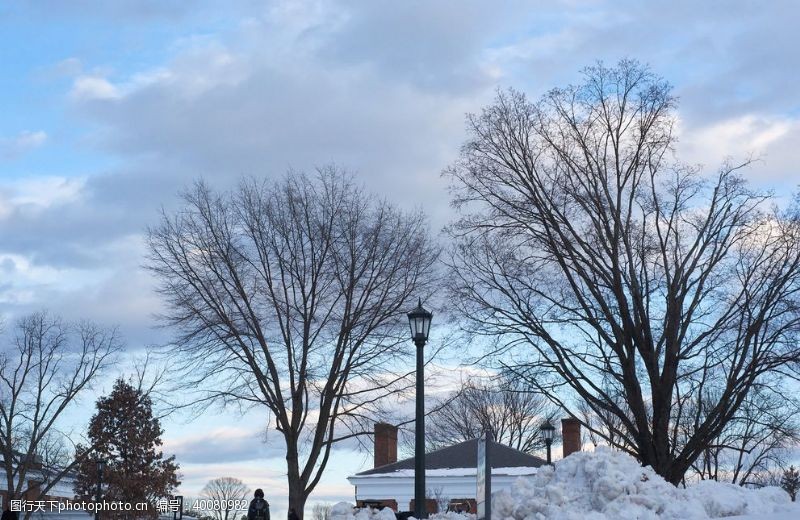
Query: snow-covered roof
{"x": 461, "y": 459}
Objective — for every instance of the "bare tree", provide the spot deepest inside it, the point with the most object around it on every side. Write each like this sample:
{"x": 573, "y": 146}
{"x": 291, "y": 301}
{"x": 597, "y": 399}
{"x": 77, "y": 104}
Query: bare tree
{"x": 45, "y": 366}
{"x": 292, "y": 296}
{"x": 321, "y": 512}
{"x": 226, "y": 494}
{"x": 758, "y": 439}
{"x": 618, "y": 270}
{"x": 771, "y": 478}
{"x": 504, "y": 406}
{"x": 437, "y": 495}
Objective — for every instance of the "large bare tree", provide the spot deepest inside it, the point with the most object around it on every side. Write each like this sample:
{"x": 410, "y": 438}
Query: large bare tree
{"x": 45, "y": 366}
{"x": 640, "y": 284}
{"x": 291, "y": 295}
{"x": 504, "y": 405}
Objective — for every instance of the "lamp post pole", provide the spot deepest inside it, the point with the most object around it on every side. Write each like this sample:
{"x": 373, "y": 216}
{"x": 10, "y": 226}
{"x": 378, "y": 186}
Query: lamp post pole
{"x": 549, "y": 443}
{"x": 420, "y": 321}
{"x": 419, "y": 441}
{"x": 100, "y": 467}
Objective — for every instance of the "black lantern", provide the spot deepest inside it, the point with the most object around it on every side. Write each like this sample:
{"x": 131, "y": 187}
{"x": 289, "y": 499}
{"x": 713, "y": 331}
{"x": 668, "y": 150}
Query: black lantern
{"x": 420, "y": 321}
{"x": 548, "y": 430}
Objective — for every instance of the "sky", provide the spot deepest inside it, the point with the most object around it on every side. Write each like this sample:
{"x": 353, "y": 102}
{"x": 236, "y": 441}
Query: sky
{"x": 109, "y": 109}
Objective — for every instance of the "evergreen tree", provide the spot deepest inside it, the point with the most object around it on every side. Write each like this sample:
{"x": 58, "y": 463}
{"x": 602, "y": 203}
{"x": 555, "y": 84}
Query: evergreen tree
{"x": 127, "y": 437}
{"x": 790, "y": 482}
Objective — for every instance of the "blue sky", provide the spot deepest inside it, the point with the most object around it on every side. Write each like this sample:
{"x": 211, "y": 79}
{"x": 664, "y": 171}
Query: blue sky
{"x": 110, "y": 108}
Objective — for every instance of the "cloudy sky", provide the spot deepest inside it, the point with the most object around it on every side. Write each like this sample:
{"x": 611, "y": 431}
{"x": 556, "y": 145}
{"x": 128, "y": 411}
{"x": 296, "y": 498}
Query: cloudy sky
{"x": 108, "y": 109}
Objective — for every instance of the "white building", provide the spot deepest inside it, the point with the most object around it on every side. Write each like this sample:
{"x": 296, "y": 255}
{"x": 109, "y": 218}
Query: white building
{"x": 36, "y": 475}
{"x": 450, "y": 474}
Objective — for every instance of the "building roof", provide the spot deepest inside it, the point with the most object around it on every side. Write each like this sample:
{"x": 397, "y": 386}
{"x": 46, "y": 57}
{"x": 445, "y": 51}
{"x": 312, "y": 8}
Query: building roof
{"x": 463, "y": 455}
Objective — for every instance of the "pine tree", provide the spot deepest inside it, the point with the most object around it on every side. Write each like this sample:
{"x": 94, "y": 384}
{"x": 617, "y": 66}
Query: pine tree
{"x": 790, "y": 482}
{"x": 127, "y": 436}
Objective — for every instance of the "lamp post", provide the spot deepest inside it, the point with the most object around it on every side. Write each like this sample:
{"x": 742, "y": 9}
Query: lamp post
{"x": 547, "y": 432}
{"x": 101, "y": 466}
{"x": 420, "y": 321}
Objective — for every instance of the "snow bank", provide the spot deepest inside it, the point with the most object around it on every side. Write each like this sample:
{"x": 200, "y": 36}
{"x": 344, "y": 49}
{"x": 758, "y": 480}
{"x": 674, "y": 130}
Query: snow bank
{"x": 450, "y": 516}
{"x": 606, "y": 485}
{"x": 346, "y": 511}
{"x": 341, "y": 509}
{"x": 609, "y": 485}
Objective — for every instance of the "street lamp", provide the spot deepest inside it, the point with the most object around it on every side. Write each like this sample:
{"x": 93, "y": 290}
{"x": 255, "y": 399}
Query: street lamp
{"x": 101, "y": 466}
{"x": 547, "y": 432}
{"x": 420, "y": 321}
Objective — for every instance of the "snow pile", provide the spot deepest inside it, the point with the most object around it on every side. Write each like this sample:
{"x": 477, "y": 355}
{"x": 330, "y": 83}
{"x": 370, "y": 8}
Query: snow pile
{"x": 345, "y": 511}
{"x": 606, "y": 485}
{"x": 451, "y": 515}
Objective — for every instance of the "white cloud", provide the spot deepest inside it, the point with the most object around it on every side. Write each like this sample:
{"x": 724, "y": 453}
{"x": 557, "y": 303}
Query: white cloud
{"x": 26, "y": 280}
{"x": 88, "y": 88}
{"x": 25, "y": 141}
{"x": 767, "y": 138}
{"x": 46, "y": 192}
{"x": 749, "y": 133}
{"x": 35, "y": 194}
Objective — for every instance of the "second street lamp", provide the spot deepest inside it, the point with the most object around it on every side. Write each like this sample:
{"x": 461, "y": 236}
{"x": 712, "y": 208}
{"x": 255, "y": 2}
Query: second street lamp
{"x": 547, "y": 432}
{"x": 420, "y": 321}
{"x": 101, "y": 466}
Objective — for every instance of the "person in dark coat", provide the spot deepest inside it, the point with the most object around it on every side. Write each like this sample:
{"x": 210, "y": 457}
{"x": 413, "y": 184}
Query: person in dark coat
{"x": 259, "y": 508}
{"x": 293, "y": 514}
{"x": 8, "y": 514}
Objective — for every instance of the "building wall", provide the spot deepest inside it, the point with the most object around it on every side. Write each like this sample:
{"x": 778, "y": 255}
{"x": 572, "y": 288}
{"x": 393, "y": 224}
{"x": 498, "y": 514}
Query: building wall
{"x": 65, "y": 515}
{"x": 401, "y": 489}
{"x": 63, "y": 489}
{"x": 61, "y": 492}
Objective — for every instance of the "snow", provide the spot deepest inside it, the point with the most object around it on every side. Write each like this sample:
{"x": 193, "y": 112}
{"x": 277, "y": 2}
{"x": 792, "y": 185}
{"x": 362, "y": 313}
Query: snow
{"x": 791, "y": 513}
{"x": 341, "y": 509}
{"x": 606, "y": 485}
{"x": 609, "y": 485}
{"x": 346, "y": 511}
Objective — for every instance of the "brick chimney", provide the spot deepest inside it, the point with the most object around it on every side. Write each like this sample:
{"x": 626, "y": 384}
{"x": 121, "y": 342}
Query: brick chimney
{"x": 385, "y": 444}
{"x": 570, "y": 435}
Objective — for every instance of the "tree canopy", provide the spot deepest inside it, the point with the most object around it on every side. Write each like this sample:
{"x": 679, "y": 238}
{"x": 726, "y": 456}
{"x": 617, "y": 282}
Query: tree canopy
{"x": 655, "y": 294}
{"x": 126, "y": 435}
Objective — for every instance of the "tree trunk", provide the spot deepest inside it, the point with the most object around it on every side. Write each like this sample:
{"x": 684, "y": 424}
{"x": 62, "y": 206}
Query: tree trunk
{"x": 297, "y": 494}
{"x": 297, "y": 498}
